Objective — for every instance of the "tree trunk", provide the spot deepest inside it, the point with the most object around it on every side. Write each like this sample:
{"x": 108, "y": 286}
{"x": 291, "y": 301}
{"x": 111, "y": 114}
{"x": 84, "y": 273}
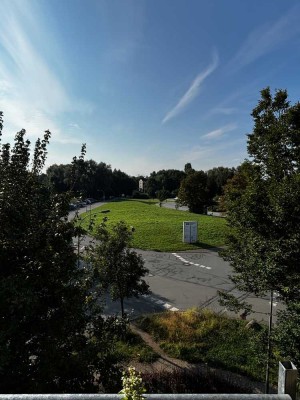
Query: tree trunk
{"x": 122, "y": 306}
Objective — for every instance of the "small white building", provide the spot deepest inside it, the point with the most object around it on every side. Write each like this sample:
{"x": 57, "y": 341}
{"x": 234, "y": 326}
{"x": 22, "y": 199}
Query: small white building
{"x": 141, "y": 185}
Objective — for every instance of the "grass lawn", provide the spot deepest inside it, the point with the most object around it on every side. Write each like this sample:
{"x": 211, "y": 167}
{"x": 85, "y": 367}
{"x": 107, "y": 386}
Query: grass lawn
{"x": 160, "y": 229}
{"x": 219, "y": 341}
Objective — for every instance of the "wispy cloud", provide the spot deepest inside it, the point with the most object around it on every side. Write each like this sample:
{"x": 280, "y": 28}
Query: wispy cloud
{"x": 204, "y": 156}
{"x": 266, "y": 38}
{"x": 193, "y": 90}
{"x": 224, "y": 110}
{"x": 74, "y": 125}
{"x": 32, "y": 94}
{"x": 220, "y": 131}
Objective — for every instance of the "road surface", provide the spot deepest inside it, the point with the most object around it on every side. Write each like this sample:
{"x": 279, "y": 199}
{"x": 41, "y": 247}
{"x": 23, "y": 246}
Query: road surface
{"x": 183, "y": 280}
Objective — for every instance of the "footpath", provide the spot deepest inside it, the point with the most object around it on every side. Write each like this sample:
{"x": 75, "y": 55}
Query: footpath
{"x": 170, "y": 364}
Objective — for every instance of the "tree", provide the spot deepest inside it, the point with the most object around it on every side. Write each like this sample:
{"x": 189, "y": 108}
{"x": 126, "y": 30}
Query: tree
{"x": 188, "y": 168}
{"x": 168, "y": 180}
{"x": 263, "y": 210}
{"x": 263, "y": 203}
{"x": 52, "y": 337}
{"x": 193, "y": 191}
{"x": 216, "y": 180}
{"x": 162, "y": 195}
{"x": 120, "y": 269}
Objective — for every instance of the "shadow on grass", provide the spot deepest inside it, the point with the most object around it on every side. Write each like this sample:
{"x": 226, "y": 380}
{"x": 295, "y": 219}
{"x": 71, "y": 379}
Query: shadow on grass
{"x": 120, "y": 199}
{"x": 205, "y": 246}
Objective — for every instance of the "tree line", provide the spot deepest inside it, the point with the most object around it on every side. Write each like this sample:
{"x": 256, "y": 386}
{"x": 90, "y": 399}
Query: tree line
{"x": 196, "y": 189}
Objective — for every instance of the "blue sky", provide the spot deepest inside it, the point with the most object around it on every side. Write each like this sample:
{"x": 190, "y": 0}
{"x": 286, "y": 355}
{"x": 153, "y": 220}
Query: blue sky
{"x": 147, "y": 84}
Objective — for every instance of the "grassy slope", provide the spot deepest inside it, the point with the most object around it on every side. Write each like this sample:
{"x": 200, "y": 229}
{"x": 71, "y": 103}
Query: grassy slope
{"x": 158, "y": 228}
{"x": 211, "y": 338}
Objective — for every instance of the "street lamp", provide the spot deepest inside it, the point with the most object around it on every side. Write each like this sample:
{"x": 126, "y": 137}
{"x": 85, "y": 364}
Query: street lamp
{"x": 269, "y": 343}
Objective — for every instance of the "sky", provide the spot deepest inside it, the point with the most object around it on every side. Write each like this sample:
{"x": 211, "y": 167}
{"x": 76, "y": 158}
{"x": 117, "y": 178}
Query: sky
{"x": 146, "y": 84}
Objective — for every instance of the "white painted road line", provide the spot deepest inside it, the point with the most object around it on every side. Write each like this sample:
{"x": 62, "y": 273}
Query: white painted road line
{"x": 186, "y": 262}
{"x": 167, "y": 306}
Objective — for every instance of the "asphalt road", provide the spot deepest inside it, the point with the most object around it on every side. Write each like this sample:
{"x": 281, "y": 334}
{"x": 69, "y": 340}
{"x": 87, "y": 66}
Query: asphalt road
{"x": 183, "y": 280}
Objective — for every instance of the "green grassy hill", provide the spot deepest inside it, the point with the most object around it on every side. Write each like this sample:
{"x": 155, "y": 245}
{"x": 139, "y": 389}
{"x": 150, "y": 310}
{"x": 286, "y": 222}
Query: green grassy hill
{"x": 160, "y": 229}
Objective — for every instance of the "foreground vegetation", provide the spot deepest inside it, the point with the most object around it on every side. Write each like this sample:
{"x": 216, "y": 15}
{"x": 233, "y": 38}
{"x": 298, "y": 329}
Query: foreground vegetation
{"x": 158, "y": 228}
{"x": 132, "y": 348}
{"x": 206, "y": 337}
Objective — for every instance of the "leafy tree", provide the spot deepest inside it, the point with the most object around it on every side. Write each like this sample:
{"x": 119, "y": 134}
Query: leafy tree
{"x": 216, "y": 180}
{"x": 288, "y": 331}
{"x": 188, "y": 168}
{"x": 263, "y": 202}
{"x": 123, "y": 183}
{"x": 120, "y": 269}
{"x": 193, "y": 191}
{"x": 263, "y": 209}
{"x": 52, "y": 337}
{"x": 169, "y": 180}
{"x": 162, "y": 195}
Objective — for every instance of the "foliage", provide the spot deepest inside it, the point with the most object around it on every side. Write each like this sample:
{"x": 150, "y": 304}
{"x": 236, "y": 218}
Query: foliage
{"x": 131, "y": 347}
{"x": 94, "y": 179}
{"x": 162, "y": 195}
{"x": 136, "y": 194}
{"x": 287, "y": 332}
{"x": 233, "y": 304}
{"x": 160, "y": 228}
{"x": 216, "y": 180}
{"x": 203, "y": 336}
{"x": 263, "y": 202}
{"x": 119, "y": 269}
{"x": 186, "y": 380}
{"x": 193, "y": 191}
{"x": 53, "y": 338}
{"x": 133, "y": 386}
{"x": 188, "y": 168}
{"x": 168, "y": 180}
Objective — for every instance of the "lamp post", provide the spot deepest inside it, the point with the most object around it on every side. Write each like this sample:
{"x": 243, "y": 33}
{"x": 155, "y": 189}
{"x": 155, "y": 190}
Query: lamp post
{"x": 269, "y": 343}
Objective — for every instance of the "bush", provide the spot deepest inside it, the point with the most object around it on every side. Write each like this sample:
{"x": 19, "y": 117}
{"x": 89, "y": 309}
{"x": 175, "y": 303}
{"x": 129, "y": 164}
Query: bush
{"x": 139, "y": 195}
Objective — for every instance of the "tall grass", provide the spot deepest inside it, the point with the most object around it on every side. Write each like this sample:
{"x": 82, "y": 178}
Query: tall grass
{"x": 206, "y": 337}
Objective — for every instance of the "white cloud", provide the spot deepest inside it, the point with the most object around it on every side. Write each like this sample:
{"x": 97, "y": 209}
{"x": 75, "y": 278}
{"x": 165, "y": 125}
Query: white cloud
{"x": 32, "y": 96}
{"x": 227, "y": 154}
{"x": 266, "y": 38}
{"x": 74, "y": 125}
{"x": 220, "y": 131}
{"x": 193, "y": 90}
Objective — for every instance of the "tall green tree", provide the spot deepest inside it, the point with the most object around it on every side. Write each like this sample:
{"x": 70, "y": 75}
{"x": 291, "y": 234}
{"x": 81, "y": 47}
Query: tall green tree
{"x": 263, "y": 203}
{"x": 193, "y": 191}
{"x": 162, "y": 195}
{"x": 216, "y": 179}
{"x": 52, "y": 335}
{"x": 119, "y": 268}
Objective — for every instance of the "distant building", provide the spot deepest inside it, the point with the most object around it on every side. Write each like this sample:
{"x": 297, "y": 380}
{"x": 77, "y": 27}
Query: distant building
{"x": 141, "y": 185}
